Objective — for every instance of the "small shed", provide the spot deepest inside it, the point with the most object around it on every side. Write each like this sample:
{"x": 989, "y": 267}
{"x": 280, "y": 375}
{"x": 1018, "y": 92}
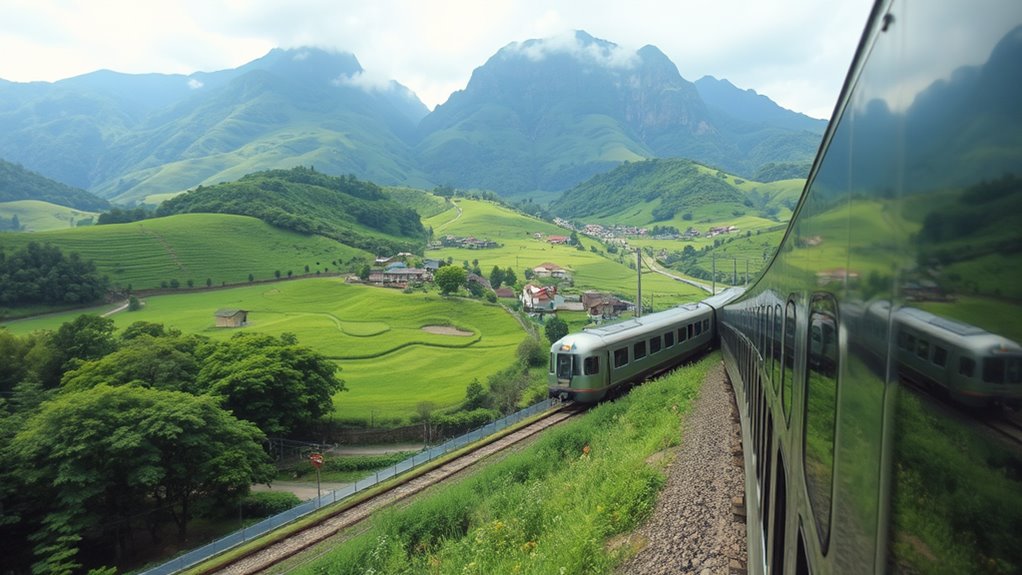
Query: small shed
{"x": 231, "y": 317}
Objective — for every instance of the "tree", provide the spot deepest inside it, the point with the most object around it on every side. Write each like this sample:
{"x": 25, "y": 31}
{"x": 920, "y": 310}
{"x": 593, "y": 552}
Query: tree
{"x": 209, "y": 282}
{"x": 276, "y": 274}
{"x": 364, "y": 271}
{"x": 506, "y": 388}
{"x": 84, "y": 338}
{"x": 101, "y": 458}
{"x": 510, "y": 279}
{"x": 251, "y": 278}
{"x": 275, "y": 383}
{"x": 531, "y": 352}
{"x": 496, "y": 277}
{"x": 166, "y": 363}
{"x": 424, "y": 411}
{"x": 134, "y": 304}
{"x": 449, "y": 279}
{"x": 174, "y": 283}
{"x": 555, "y": 329}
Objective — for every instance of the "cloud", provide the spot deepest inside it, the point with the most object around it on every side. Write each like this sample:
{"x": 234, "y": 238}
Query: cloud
{"x": 365, "y": 81}
{"x": 195, "y": 84}
{"x": 595, "y": 52}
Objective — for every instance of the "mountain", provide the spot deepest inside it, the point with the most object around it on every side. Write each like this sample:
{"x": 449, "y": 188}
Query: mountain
{"x": 547, "y": 114}
{"x": 17, "y": 183}
{"x": 540, "y": 115}
{"x": 727, "y": 100}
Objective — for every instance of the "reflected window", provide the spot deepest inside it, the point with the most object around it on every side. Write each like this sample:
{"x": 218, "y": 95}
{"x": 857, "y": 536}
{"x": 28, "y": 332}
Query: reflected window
{"x": 923, "y": 348}
{"x": 788, "y": 369}
{"x": 699, "y": 327}
{"x": 621, "y": 357}
{"x": 551, "y": 363}
{"x": 821, "y": 409}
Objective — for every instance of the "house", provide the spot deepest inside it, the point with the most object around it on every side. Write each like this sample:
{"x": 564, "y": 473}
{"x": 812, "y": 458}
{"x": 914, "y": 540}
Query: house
{"x": 602, "y": 306}
{"x": 557, "y": 240}
{"x": 476, "y": 278}
{"x": 432, "y": 265}
{"x": 549, "y": 270}
{"x": 231, "y": 317}
{"x": 540, "y": 298}
{"x": 504, "y": 292}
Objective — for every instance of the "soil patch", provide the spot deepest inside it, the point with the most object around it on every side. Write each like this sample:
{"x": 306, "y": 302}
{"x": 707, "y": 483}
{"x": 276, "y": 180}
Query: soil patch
{"x": 446, "y": 330}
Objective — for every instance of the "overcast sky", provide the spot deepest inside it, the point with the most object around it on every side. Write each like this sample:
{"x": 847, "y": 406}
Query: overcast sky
{"x": 797, "y": 52}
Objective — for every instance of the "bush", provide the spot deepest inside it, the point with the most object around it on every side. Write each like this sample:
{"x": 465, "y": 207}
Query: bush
{"x": 266, "y": 503}
{"x": 531, "y": 352}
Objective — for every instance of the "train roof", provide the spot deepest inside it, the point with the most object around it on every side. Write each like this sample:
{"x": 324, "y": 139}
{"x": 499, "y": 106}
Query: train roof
{"x": 632, "y": 328}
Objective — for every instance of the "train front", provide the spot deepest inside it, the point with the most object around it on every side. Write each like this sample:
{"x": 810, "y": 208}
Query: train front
{"x": 578, "y": 368}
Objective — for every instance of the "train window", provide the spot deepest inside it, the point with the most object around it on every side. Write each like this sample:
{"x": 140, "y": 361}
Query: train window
{"x": 923, "y": 348}
{"x": 822, "y": 367}
{"x": 654, "y": 344}
{"x": 566, "y": 365}
{"x": 939, "y": 355}
{"x": 621, "y": 357}
{"x": 691, "y": 334}
{"x": 910, "y": 342}
{"x": 699, "y": 327}
{"x": 669, "y": 339}
{"x": 681, "y": 334}
{"x": 775, "y": 360}
{"x": 592, "y": 365}
{"x": 551, "y": 363}
{"x": 788, "y": 353}
{"x": 966, "y": 366}
{"x": 639, "y": 351}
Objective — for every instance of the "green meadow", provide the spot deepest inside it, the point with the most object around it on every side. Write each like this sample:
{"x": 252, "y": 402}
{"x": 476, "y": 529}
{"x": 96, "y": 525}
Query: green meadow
{"x": 219, "y": 247}
{"x": 37, "y": 216}
{"x": 521, "y": 251}
{"x": 389, "y": 363}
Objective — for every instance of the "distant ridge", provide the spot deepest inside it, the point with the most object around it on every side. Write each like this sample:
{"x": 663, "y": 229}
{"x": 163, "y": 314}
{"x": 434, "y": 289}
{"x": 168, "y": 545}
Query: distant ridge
{"x": 17, "y": 183}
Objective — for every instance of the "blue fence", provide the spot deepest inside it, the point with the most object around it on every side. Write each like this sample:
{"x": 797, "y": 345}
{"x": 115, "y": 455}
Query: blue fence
{"x": 203, "y": 553}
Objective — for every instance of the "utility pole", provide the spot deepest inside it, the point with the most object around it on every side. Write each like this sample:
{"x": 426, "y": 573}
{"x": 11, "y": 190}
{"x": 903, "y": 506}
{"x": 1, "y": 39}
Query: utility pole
{"x": 746, "y": 271}
{"x": 734, "y": 274}
{"x": 713, "y": 258}
{"x": 638, "y": 269}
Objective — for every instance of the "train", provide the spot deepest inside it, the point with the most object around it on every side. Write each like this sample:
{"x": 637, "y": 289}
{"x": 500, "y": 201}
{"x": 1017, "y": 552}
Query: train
{"x": 898, "y": 281}
{"x": 875, "y": 355}
{"x": 588, "y": 366}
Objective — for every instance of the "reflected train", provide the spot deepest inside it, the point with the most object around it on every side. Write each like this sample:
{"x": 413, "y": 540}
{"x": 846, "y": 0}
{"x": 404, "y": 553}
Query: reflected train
{"x": 902, "y": 263}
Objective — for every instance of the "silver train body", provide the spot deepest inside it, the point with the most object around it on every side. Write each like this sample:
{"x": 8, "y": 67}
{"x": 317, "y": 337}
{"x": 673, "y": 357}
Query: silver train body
{"x": 875, "y": 359}
{"x": 586, "y": 366}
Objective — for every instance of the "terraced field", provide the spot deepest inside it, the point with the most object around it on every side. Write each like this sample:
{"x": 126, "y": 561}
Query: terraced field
{"x": 389, "y": 362}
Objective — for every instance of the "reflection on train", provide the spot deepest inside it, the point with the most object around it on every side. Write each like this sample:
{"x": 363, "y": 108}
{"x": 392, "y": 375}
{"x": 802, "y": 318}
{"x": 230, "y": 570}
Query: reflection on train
{"x": 876, "y": 361}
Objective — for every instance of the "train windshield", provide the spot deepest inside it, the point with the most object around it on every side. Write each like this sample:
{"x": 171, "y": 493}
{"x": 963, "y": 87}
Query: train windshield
{"x": 1002, "y": 370}
{"x": 565, "y": 362}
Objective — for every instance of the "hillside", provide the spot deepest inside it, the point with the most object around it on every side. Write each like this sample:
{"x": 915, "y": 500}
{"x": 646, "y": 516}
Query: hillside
{"x": 36, "y": 216}
{"x": 679, "y": 192}
{"x": 18, "y": 183}
{"x": 219, "y": 248}
{"x": 303, "y": 200}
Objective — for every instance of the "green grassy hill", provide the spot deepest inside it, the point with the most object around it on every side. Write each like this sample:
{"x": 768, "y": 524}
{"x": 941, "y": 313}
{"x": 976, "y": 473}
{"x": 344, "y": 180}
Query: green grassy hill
{"x": 17, "y": 183}
{"x": 346, "y": 209}
{"x": 389, "y": 362}
{"x": 36, "y": 215}
{"x": 220, "y": 247}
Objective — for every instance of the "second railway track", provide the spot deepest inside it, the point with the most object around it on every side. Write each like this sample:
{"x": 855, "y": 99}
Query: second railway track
{"x": 261, "y": 559}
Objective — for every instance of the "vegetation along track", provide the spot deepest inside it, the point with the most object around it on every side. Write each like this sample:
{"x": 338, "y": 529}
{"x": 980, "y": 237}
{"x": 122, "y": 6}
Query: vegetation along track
{"x": 264, "y": 557}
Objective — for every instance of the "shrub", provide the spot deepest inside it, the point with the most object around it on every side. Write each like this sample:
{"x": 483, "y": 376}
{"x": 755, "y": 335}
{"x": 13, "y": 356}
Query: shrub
{"x": 266, "y": 503}
{"x": 531, "y": 352}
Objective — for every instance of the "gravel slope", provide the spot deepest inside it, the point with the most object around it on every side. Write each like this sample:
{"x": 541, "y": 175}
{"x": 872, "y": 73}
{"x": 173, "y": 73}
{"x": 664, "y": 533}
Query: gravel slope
{"x": 693, "y": 528}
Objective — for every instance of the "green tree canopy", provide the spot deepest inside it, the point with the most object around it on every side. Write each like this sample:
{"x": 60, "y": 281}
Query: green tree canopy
{"x": 167, "y": 363}
{"x": 273, "y": 382}
{"x": 450, "y": 278}
{"x": 103, "y": 458}
{"x": 555, "y": 329}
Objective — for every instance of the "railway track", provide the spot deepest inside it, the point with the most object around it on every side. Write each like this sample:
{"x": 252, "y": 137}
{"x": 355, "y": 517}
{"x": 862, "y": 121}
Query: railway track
{"x": 262, "y": 559}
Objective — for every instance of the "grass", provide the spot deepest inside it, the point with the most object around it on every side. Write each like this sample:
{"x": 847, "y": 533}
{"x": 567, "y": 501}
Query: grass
{"x": 37, "y": 216}
{"x": 549, "y": 508}
{"x": 219, "y": 247}
{"x": 388, "y": 362}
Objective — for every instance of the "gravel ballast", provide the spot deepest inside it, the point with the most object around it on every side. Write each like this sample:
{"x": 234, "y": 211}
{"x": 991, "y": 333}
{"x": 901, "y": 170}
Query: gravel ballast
{"x": 693, "y": 528}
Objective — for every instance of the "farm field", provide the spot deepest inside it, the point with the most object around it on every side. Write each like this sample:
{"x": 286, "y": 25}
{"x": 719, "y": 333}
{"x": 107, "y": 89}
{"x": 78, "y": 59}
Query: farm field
{"x": 522, "y": 251}
{"x": 389, "y": 363}
{"x": 37, "y": 216}
{"x": 219, "y": 247}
